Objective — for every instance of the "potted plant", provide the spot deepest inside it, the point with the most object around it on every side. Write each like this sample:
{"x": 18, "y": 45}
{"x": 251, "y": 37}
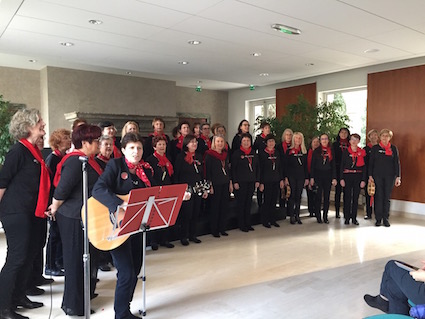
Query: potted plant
{"x": 6, "y": 113}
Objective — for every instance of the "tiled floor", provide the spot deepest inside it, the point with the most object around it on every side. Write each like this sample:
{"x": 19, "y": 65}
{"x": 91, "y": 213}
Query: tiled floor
{"x": 295, "y": 271}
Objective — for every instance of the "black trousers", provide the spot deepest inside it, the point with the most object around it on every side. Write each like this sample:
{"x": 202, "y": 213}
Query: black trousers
{"x": 324, "y": 184}
{"x": 268, "y": 209}
{"x": 383, "y": 188}
{"x": 351, "y": 195}
{"x": 21, "y": 251}
{"x": 294, "y": 202}
{"x": 338, "y": 191}
{"x": 127, "y": 259}
{"x": 244, "y": 202}
{"x": 189, "y": 216}
{"x": 219, "y": 208}
{"x": 73, "y": 249}
{"x": 311, "y": 201}
{"x": 40, "y": 240}
{"x": 54, "y": 259}
{"x": 369, "y": 208}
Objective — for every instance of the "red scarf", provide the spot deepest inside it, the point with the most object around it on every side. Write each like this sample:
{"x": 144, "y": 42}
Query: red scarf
{"x": 92, "y": 162}
{"x": 246, "y": 151}
{"x": 179, "y": 144}
{"x": 159, "y": 134}
{"x": 327, "y": 152}
{"x": 103, "y": 158}
{"x": 58, "y": 153}
{"x": 285, "y": 146}
{"x": 44, "y": 186}
{"x": 206, "y": 140}
{"x": 295, "y": 150}
{"x": 263, "y": 135}
{"x": 388, "y": 150}
{"x": 117, "y": 152}
{"x": 343, "y": 143}
{"x": 189, "y": 157}
{"x": 309, "y": 159}
{"x": 370, "y": 145}
{"x": 140, "y": 172}
{"x": 220, "y": 156}
{"x": 358, "y": 156}
{"x": 164, "y": 162}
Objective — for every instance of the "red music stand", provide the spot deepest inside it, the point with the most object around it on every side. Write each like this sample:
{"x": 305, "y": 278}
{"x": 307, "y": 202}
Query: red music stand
{"x": 149, "y": 209}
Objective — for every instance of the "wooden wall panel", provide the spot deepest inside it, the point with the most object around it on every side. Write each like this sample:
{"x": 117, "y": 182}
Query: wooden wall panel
{"x": 396, "y": 100}
{"x": 290, "y": 95}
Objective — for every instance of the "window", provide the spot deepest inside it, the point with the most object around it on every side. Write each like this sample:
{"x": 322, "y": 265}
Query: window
{"x": 264, "y": 107}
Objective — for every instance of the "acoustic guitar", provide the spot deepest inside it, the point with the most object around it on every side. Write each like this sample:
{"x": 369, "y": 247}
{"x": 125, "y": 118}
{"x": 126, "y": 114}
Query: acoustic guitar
{"x": 100, "y": 226}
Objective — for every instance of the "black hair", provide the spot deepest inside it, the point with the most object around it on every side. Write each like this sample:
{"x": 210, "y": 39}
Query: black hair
{"x": 131, "y": 138}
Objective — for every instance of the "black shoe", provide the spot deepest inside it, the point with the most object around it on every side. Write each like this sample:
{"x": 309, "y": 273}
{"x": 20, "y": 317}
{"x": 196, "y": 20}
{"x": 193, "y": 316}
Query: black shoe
{"x": 71, "y": 312}
{"x": 105, "y": 267}
{"x": 34, "y": 291}
{"x": 326, "y": 221}
{"x": 28, "y": 304}
{"x": 244, "y": 230}
{"x": 184, "y": 242}
{"x": 299, "y": 221}
{"x": 54, "y": 272}
{"x": 376, "y": 302}
{"x": 216, "y": 235}
{"x": 368, "y": 217}
{"x": 319, "y": 221}
{"x": 10, "y": 314}
{"x": 386, "y": 223}
{"x": 355, "y": 222}
{"x": 337, "y": 215}
{"x": 347, "y": 222}
{"x": 42, "y": 281}
{"x": 267, "y": 225}
{"x": 378, "y": 223}
{"x": 223, "y": 233}
{"x": 195, "y": 240}
{"x": 275, "y": 224}
{"x": 167, "y": 244}
{"x": 154, "y": 246}
{"x": 251, "y": 228}
{"x": 292, "y": 220}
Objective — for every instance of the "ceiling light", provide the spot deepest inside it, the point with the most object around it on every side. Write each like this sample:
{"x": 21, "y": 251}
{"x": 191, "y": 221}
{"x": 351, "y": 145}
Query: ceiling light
{"x": 32, "y": 60}
{"x": 128, "y": 73}
{"x": 256, "y": 54}
{"x": 66, "y": 44}
{"x": 286, "y": 29}
{"x": 194, "y": 42}
{"x": 309, "y": 64}
{"x": 264, "y": 74}
{"x": 183, "y": 62}
{"x": 95, "y": 21}
{"x": 371, "y": 51}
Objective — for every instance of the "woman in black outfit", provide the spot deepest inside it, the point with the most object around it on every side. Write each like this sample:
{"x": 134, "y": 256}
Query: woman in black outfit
{"x": 384, "y": 170}
{"x": 271, "y": 180}
{"x": 188, "y": 169}
{"x": 282, "y": 148}
{"x": 120, "y": 177}
{"x": 158, "y": 126}
{"x": 243, "y": 128}
{"x": 296, "y": 175}
{"x": 174, "y": 148}
{"x": 162, "y": 172}
{"x": 353, "y": 177}
{"x": 60, "y": 142}
{"x": 373, "y": 137}
{"x": 259, "y": 146}
{"x": 66, "y": 209}
{"x": 311, "y": 189}
{"x": 218, "y": 172}
{"x": 23, "y": 176}
{"x": 323, "y": 175}
{"x": 246, "y": 177}
{"x": 339, "y": 146}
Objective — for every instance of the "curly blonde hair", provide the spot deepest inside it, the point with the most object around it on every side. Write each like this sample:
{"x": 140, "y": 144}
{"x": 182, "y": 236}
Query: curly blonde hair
{"x": 21, "y": 121}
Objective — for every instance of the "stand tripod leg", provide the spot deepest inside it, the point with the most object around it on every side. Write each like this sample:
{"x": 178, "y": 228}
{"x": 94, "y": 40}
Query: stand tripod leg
{"x": 143, "y": 311}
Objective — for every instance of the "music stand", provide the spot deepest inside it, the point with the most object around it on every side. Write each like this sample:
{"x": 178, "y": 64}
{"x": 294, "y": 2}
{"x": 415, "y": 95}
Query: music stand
{"x": 149, "y": 209}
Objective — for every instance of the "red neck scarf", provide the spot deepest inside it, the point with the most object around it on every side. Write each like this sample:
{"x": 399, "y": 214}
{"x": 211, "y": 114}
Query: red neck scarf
{"x": 58, "y": 153}
{"x": 343, "y": 143}
{"x": 370, "y": 145}
{"x": 263, "y": 135}
{"x": 164, "y": 162}
{"x": 285, "y": 146}
{"x": 189, "y": 158}
{"x": 358, "y": 156}
{"x": 388, "y": 150}
{"x": 117, "y": 152}
{"x": 179, "y": 144}
{"x": 140, "y": 172}
{"x": 159, "y": 134}
{"x": 295, "y": 150}
{"x": 44, "y": 187}
{"x": 309, "y": 159}
{"x": 220, "y": 156}
{"x": 327, "y": 152}
{"x": 92, "y": 162}
{"x": 206, "y": 140}
{"x": 246, "y": 151}
{"x": 103, "y": 158}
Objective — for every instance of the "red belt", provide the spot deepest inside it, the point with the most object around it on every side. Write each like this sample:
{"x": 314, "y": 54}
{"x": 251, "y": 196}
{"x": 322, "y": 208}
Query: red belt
{"x": 351, "y": 171}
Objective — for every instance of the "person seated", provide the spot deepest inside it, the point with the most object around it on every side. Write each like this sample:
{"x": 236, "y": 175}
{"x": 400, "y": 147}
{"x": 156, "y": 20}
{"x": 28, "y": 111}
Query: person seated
{"x": 398, "y": 285}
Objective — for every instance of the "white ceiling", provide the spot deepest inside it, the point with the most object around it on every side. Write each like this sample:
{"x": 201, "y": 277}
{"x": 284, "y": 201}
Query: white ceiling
{"x": 150, "y": 37}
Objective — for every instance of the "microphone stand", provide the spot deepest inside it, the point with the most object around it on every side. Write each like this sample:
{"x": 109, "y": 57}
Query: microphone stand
{"x": 86, "y": 255}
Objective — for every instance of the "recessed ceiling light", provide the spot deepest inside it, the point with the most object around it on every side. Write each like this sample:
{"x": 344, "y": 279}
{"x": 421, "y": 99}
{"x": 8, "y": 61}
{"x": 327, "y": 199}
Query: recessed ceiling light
{"x": 371, "y": 51}
{"x": 66, "y": 44}
{"x": 264, "y": 74}
{"x": 309, "y": 64}
{"x": 128, "y": 73}
{"x": 95, "y": 21}
{"x": 183, "y": 62}
{"x": 199, "y": 82}
{"x": 256, "y": 54}
{"x": 194, "y": 42}
{"x": 32, "y": 60}
{"x": 286, "y": 29}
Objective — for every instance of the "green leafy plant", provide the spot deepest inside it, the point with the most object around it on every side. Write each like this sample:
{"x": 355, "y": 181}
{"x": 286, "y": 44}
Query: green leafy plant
{"x": 309, "y": 119}
{"x": 6, "y": 113}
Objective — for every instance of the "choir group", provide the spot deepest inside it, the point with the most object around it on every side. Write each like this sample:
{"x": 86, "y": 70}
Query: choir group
{"x": 278, "y": 170}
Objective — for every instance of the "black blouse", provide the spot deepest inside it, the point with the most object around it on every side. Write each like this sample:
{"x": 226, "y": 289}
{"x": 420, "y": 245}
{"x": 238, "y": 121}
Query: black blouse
{"x": 217, "y": 172}
{"x": 188, "y": 173}
{"x": 160, "y": 174}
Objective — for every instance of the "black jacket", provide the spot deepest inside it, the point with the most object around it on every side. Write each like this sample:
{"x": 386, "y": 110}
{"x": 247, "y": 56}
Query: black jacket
{"x": 216, "y": 171}
{"x": 348, "y": 164}
{"x": 295, "y": 165}
{"x": 241, "y": 170}
{"x": 384, "y": 165}
{"x": 160, "y": 174}
{"x": 271, "y": 169}
{"x": 321, "y": 165}
{"x": 188, "y": 173}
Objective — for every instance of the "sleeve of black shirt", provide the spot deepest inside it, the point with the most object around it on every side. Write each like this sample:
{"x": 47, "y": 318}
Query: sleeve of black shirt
{"x": 71, "y": 175}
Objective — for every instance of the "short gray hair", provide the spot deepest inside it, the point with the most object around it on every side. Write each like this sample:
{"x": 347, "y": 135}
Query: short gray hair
{"x": 21, "y": 121}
